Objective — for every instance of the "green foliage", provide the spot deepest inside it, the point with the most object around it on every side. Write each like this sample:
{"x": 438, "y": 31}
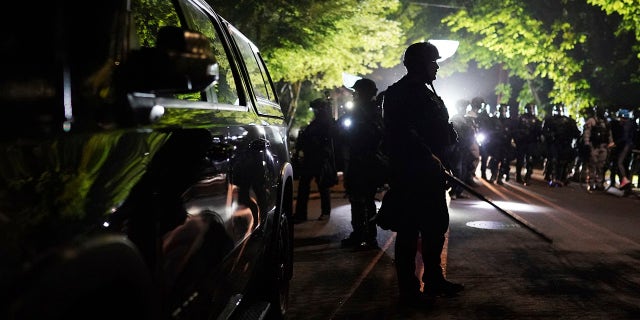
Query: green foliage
{"x": 551, "y": 45}
{"x": 630, "y": 12}
{"x": 503, "y": 90}
{"x": 504, "y": 32}
{"x": 150, "y": 16}
{"x": 315, "y": 42}
{"x": 319, "y": 40}
{"x": 525, "y": 96}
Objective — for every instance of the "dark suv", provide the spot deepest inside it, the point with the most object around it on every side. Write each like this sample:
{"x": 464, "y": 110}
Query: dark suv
{"x": 144, "y": 165}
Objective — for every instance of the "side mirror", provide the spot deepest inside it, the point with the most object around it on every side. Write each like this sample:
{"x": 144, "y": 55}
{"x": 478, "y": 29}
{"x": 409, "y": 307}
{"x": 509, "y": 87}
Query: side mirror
{"x": 181, "y": 62}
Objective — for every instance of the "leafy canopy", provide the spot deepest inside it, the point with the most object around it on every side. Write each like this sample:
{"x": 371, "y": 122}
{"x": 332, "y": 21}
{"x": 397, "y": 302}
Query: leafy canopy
{"x": 319, "y": 40}
{"x": 505, "y": 33}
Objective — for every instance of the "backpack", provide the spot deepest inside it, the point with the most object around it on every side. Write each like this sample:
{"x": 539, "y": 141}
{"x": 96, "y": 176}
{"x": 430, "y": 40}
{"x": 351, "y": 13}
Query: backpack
{"x": 599, "y": 132}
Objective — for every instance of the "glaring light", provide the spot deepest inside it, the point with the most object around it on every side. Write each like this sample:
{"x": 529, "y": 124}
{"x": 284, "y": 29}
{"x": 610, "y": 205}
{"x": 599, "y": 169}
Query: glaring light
{"x": 348, "y": 80}
{"x": 513, "y": 206}
{"x": 446, "y": 48}
{"x": 346, "y": 122}
{"x": 349, "y": 105}
{"x": 480, "y": 138}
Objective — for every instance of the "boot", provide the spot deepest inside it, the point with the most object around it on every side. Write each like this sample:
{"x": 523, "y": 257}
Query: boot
{"x": 494, "y": 176}
{"x": 527, "y": 177}
{"x": 519, "y": 178}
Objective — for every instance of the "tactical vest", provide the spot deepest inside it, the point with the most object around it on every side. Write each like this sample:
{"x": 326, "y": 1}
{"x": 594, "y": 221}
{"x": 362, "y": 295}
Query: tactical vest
{"x": 599, "y": 132}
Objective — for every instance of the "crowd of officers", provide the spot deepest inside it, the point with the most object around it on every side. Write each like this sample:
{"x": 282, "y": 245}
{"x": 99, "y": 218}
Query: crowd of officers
{"x": 584, "y": 150}
{"x": 490, "y": 140}
{"x": 419, "y": 140}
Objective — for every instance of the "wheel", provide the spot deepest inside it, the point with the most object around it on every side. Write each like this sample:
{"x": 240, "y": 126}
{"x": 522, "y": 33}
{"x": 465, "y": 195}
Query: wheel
{"x": 282, "y": 270}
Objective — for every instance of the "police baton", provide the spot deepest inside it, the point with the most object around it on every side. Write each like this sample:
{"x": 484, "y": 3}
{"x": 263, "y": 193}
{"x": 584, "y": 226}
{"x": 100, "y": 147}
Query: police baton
{"x": 509, "y": 214}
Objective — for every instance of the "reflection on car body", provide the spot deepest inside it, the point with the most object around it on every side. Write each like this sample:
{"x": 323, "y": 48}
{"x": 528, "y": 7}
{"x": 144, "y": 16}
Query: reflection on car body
{"x": 143, "y": 166}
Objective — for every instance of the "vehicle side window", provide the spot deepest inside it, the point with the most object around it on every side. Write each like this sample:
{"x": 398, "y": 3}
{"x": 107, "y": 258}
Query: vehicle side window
{"x": 224, "y": 90}
{"x": 149, "y": 17}
{"x": 260, "y": 80}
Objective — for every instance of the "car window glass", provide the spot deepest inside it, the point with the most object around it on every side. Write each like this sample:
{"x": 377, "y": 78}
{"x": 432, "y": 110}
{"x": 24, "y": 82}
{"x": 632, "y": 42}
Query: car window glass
{"x": 149, "y": 16}
{"x": 255, "y": 74}
{"x": 224, "y": 90}
{"x": 267, "y": 102}
{"x": 259, "y": 78}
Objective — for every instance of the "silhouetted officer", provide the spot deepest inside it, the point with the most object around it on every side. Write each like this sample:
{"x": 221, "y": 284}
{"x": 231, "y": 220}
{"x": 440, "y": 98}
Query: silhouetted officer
{"x": 485, "y": 124}
{"x": 598, "y": 138}
{"x": 499, "y": 146}
{"x": 624, "y": 144}
{"x": 362, "y": 138}
{"x": 417, "y": 125}
{"x": 527, "y": 139}
{"x": 316, "y": 143}
{"x": 560, "y": 131}
{"x": 462, "y": 152}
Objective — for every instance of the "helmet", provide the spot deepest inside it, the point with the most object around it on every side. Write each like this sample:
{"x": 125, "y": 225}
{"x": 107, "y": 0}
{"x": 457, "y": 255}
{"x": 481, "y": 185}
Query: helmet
{"x": 365, "y": 85}
{"x": 601, "y": 112}
{"x": 624, "y": 113}
{"x": 319, "y": 104}
{"x": 420, "y": 51}
{"x": 589, "y": 111}
{"x": 529, "y": 108}
{"x": 477, "y": 103}
{"x": 558, "y": 110}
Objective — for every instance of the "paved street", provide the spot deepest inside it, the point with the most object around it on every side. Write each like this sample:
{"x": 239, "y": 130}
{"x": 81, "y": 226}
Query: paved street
{"x": 509, "y": 271}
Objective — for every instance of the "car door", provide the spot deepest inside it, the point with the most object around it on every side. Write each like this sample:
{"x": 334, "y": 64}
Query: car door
{"x": 215, "y": 159}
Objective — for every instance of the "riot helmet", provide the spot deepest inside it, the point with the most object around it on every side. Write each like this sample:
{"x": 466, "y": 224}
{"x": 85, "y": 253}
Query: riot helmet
{"x": 319, "y": 104}
{"x": 601, "y": 112}
{"x": 321, "y": 108}
{"x": 556, "y": 110}
{"x": 590, "y": 112}
{"x": 366, "y": 87}
{"x": 624, "y": 113}
{"x": 420, "y": 52}
{"x": 477, "y": 103}
{"x": 530, "y": 108}
{"x": 503, "y": 111}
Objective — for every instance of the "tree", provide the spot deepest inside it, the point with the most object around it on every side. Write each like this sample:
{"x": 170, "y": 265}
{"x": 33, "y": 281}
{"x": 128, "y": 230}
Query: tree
{"x": 630, "y": 12}
{"x": 572, "y": 52}
{"x": 316, "y": 41}
{"x": 567, "y": 51}
{"x": 505, "y": 33}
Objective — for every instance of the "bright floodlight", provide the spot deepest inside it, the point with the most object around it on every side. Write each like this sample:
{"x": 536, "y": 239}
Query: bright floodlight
{"x": 446, "y": 48}
{"x": 348, "y": 80}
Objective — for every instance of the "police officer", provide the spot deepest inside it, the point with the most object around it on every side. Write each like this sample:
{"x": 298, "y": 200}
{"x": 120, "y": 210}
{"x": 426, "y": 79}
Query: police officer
{"x": 316, "y": 145}
{"x": 474, "y": 148}
{"x": 417, "y": 125}
{"x": 566, "y": 134}
{"x": 559, "y": 131}
{"x": 503, "y": 148}
{"x": 362, "y": 138}
{"x": 498, "y": 145}
{"x": 598, "y": 138}
{"x": 527, "y": 139}
{"x": 484, "y": 121}
{"x": 463, "y": 150}
{"x": 624, "y": 144}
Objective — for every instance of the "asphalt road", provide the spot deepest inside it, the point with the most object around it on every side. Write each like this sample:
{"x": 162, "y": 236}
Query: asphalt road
{"x": 554, "y": 253}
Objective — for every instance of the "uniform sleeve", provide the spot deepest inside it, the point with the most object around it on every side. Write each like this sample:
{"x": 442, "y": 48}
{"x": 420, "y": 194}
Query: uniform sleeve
{"x": 587, "y": 131}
